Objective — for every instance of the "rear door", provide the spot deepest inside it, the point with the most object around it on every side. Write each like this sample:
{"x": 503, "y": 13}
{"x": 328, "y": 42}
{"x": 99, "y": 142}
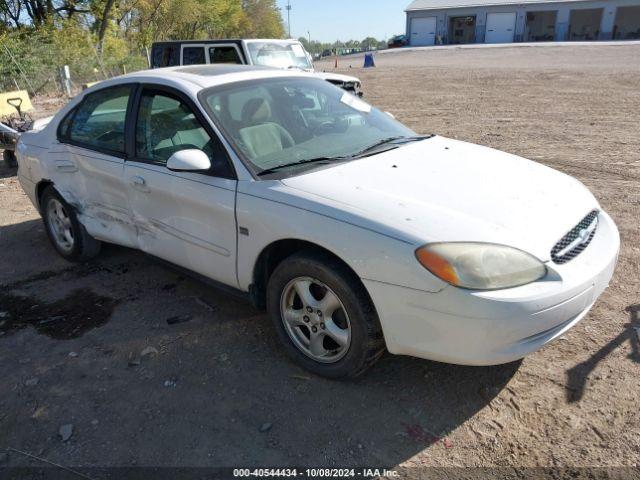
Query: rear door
{"x": 187, "y": 218}
{"x": 500, "y": 27}
{"x": 89, "y": 163}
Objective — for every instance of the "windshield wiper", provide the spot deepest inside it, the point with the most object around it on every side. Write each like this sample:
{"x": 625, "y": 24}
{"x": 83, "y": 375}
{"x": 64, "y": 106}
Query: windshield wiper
{"x": 325, "y": 160}
{"x": 384, "y": 141}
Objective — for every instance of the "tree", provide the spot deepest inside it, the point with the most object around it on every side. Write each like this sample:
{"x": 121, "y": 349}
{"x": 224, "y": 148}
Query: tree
{"x": 11, "y": 10}
{"x": 103, "y": 22}
{"x": 369, "y": 43}
{"x": 104, "y": 35}
{"x": 45, "y": 11}
{"x": 189, "y": 19}
{"x": 263, "y": 19}
{"x": 352, "y": 44}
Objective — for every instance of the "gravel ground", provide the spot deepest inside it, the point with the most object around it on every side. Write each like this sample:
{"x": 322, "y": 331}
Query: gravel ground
{"x": 214, "y": 389}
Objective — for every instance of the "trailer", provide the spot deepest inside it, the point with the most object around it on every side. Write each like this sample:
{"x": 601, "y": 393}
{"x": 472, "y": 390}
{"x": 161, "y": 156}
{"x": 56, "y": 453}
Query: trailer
{"x": 8, "y": 140}
{"x": 14, "y": 120}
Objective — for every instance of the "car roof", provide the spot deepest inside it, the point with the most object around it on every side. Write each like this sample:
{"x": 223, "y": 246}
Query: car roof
{"x": 218, "y": 69}
{"x": 197, "y": 77}
{"x": 229, "y": 40}
{"x": 272, "y": 40}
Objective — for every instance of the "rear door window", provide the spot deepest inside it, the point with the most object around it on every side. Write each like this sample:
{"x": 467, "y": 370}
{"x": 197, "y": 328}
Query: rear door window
{"x": 193, "y": 55}
{"x": 165, "y": 56}
{"x": 98, "y": 123}
{"x": 224, "y": 54}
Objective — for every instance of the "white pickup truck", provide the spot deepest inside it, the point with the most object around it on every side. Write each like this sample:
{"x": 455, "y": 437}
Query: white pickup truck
{"x": 284, "y": 54}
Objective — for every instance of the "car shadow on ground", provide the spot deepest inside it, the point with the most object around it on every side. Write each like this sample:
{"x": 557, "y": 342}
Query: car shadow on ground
{"x": 220, "y": 392}
{"x": 25, "y": 251}
{"x": 7, "y": 172}
{"x": 578, "y": 375}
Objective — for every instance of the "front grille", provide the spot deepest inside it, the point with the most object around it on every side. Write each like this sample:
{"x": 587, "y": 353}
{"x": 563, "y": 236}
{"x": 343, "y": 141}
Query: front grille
{"x": 574, "y": 242}
{"x": 348, "y": 86}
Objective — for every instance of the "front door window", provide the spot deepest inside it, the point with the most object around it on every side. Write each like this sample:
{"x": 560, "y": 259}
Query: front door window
{"x": 167, "y": 125}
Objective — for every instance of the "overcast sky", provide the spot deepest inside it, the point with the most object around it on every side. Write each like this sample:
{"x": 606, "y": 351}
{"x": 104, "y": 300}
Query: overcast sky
{"x": 331, "y": 20}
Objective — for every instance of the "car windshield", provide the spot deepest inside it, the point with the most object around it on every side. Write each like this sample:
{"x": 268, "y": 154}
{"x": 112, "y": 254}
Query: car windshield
{"x": 279, "y": 55}
{"x": 281, "y": 122}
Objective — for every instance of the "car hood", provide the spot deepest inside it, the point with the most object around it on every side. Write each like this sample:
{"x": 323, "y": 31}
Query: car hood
{"x": 440, "y": 189}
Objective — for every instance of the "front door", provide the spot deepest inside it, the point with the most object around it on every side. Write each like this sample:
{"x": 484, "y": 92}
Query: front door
{"x": 187, "y": 218}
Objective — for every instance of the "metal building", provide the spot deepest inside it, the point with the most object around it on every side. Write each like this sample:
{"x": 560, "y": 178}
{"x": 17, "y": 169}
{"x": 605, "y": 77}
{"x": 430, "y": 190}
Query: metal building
{"x": 431, "y": 22}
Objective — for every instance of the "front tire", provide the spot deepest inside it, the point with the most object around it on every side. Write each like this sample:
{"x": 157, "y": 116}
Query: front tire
{"x": 323, "y": 316}
{"x": 66, "y": 233}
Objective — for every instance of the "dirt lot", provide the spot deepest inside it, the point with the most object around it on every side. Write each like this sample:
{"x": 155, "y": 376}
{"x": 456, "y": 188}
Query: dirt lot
{"x": 219, "y": 392}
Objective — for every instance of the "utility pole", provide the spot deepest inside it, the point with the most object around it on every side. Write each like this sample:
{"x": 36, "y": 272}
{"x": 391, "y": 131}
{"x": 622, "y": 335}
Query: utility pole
{"x": 288, "y": 7}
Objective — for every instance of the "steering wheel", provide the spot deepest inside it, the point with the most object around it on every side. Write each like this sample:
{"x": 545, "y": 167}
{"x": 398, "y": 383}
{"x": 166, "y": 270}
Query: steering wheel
{"x": 339, "y": 125}
{"x": 110, "y": 135}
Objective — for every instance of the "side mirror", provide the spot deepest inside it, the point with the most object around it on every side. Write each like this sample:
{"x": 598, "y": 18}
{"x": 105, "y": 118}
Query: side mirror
{"x": 189, "y": 160}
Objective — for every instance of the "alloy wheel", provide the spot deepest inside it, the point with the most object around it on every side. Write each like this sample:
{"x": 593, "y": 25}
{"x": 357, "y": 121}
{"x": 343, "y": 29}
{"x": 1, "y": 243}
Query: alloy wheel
{"x": 60, "y": 225}
{"x": 315, "y": 319}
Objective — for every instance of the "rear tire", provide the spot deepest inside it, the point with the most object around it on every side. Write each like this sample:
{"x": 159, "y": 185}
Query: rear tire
{"x": 66, "y": 233}
{"x": 323, "y": 316}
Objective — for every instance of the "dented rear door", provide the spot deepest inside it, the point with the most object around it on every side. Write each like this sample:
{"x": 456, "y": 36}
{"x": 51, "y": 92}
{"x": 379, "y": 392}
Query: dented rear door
{"x": 87, "y": 163}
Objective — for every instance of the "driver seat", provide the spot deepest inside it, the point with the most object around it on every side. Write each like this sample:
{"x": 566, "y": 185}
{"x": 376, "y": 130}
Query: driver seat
{"x": 262, "y": 136}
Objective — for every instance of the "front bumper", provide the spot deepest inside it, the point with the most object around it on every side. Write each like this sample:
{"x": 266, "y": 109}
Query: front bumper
{"x": 488, "y": 328}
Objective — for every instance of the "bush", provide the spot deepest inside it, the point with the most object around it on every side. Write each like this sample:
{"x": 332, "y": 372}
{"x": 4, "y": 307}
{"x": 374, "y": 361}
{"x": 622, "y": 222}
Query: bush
{"x": 31, "y": 58}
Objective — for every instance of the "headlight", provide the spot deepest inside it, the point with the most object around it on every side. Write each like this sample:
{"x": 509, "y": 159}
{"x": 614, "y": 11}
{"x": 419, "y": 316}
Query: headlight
{"x": 480, "y": 266}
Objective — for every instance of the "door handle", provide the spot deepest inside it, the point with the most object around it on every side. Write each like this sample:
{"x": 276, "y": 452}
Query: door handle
{"x": 66, "y": 166}
{"x": 139, "y": 183}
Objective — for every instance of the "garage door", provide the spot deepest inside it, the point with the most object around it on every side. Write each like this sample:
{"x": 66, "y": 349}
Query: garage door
{"x": 500, "y": 27}
{"x": 423, "y": 31}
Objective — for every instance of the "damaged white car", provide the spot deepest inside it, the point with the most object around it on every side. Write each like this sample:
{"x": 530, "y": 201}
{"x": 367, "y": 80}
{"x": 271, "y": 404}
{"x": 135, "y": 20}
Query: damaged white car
{"x": 354, "y": 232}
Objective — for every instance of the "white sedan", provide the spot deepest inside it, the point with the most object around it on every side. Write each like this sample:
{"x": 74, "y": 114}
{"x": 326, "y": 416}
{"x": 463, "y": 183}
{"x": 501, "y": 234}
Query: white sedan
{"x": 354, "y": 233}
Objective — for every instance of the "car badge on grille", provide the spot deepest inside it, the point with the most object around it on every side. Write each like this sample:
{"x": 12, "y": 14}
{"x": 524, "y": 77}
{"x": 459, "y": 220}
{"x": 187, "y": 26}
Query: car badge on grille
{"x": 584, "y": 236}
{"x": 585, "y": 233}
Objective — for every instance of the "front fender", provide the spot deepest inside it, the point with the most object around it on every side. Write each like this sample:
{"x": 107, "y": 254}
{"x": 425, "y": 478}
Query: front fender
{"x": 265, "y": 217}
